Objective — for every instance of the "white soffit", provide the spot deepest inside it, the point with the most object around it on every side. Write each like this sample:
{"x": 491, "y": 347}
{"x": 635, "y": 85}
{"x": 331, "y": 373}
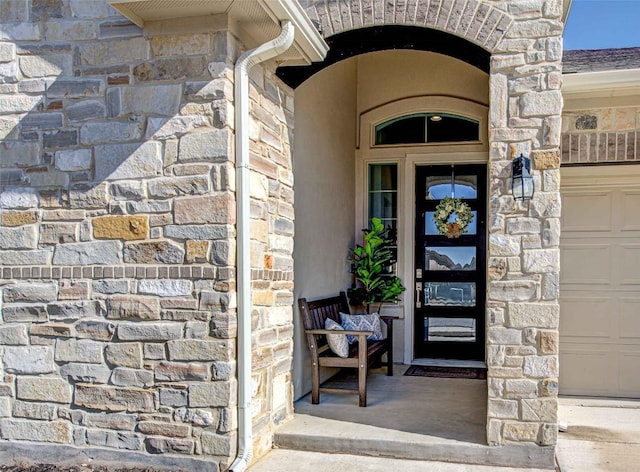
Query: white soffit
{"x": 253, "y": 21}
{"x": 611, "y": 82}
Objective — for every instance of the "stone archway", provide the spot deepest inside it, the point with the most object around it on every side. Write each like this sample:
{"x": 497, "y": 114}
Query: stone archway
{"x": 524, "y": 41}
{"x": 478, "y": 22}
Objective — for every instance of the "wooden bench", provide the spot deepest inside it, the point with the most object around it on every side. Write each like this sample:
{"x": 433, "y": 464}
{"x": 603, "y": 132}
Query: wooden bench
{"x": 361, "y": 354}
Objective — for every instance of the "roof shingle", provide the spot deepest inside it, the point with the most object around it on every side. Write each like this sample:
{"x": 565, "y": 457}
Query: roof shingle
{"x": 593, "y": 60}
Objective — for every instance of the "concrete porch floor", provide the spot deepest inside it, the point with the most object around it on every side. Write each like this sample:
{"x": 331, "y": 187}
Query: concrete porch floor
{"x": 416, "y": 418}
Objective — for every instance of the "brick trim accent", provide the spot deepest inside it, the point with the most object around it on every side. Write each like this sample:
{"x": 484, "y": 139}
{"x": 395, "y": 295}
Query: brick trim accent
{"x": 110, "y": 272}
{"x": 601, "y": 147}
{"x": 475, "y": 21}
{"x": 273, "y": 275}
{"x": 134, "y": 272}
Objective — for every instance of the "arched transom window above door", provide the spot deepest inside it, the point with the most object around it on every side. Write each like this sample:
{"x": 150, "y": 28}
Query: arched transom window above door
{"x": 432, "y": 127}
{"x": 426, "y": 124}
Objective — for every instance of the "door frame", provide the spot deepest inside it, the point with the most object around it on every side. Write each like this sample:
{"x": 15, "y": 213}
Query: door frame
{"x": 407, "y": 163}
{"x": 407, "y": 157}
{"x": 474, "y": 351}
{"x": 412, "y": 161}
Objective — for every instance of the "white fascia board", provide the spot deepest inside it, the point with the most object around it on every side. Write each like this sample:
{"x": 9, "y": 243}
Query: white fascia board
{"x": 584, "y": 82}
{"x": 308, "y": 37}
{"x": 121, "y": 7}
{"x": 566, "y": 9}
{"x": 146, "y": 13}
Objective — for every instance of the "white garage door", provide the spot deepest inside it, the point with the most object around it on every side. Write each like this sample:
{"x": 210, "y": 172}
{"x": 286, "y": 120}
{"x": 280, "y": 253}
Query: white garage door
{"x": 600, "y": 281}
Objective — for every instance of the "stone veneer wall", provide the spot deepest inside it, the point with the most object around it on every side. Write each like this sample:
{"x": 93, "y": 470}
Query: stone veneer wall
{"x": 601, "y": 135}
{"x": 524, "y": 38}
{"x": 272, "y": 231}
{"x": 117, "y": 236}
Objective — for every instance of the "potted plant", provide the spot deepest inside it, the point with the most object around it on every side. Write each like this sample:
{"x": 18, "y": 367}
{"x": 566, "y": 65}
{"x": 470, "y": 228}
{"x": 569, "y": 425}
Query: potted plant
{"x": 371, "y": 265}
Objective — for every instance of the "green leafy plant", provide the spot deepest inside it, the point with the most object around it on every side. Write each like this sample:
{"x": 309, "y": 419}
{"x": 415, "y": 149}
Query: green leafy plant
{"x": 371, "y": 263}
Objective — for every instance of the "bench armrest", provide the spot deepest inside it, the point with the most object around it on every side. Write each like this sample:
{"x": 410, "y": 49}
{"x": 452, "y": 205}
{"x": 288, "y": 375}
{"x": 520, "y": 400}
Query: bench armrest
{"x": 387, "y": 319}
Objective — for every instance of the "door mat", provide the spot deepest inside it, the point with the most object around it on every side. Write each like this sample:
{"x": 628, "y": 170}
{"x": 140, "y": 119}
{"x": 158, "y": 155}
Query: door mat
{"x": 447, "y": 372}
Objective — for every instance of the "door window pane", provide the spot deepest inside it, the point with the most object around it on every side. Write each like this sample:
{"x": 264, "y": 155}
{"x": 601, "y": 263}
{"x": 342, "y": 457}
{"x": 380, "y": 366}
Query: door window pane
{"x": 440, "y": 186}
{"x": 383, "y": 193}
{"x": 450, "y": 293}
{"x": 431, "y": 230}
{"x": 383, "y": 202}
{"x": 383, "y": 177}
{"x": 383, "y": 205}
{"x": 450, "y": 258}
{"x": 450, "y": 329}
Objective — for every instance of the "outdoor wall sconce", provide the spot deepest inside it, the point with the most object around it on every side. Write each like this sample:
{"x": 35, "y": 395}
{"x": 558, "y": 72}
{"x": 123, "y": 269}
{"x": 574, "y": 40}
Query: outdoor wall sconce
{"x": 522, "y": 181}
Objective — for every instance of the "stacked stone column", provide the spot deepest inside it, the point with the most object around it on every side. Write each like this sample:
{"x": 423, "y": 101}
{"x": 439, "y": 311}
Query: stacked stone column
{"x": 524, "y": 262}
{"x": 272, "y": 231}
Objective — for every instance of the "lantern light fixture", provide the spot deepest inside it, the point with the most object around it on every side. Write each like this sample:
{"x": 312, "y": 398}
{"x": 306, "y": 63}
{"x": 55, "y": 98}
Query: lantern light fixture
{"x": 522, "y": 181}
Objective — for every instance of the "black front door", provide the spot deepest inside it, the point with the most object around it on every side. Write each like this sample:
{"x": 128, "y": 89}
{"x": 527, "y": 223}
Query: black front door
{"x": 450, "y": 276}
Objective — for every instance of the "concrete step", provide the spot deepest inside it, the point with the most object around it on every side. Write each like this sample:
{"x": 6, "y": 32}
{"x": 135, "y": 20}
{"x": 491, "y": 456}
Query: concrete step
{"x": 283, "y": 460}
{"x": 312, "y": 433}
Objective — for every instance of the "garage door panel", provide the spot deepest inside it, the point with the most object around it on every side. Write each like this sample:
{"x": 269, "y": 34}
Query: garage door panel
{"x": 585, "y": 264}
{"x": 629, "y": 264}
{"x": 600, "y": 281}
{"x": 629, "y": 320}
{"x": 574, "y": 218}
{"x": 598, "y": 379}
{"x": 585, "y": 317}
{"x": 629, "y": 373}
{"x": 630, "y": 202}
